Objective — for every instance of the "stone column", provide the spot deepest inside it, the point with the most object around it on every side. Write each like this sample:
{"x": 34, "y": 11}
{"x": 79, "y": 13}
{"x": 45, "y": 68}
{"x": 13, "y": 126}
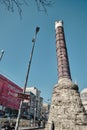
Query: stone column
{"x": 67, "y": 111}
{"x": 61, "y": 51}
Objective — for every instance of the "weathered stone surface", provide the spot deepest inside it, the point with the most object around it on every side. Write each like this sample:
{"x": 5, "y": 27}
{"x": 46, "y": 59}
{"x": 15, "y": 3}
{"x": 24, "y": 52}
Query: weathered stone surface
{"x": 67, "y": 110}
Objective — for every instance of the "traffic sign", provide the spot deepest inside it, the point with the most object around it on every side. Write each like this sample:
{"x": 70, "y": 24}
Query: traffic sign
{"x": 23, "y": 96}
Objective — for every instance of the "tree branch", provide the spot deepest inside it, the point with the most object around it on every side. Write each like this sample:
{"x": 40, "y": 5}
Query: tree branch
{"x": 43, "y": 4}
{"x": 11, "y": 4}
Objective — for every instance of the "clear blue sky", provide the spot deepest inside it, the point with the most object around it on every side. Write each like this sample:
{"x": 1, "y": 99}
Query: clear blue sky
{"x": 16, "y": 36}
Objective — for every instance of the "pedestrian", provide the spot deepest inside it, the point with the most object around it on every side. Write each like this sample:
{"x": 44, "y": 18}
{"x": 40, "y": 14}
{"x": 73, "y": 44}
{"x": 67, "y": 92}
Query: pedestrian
{"x": 31, "y": 122}
{"x": 7, "y": 126}
{"x": 44, "y": 123}
{"x": 0, "y": 126}
{"x": 39, "y": 123}
{"x": 52, "y": 126}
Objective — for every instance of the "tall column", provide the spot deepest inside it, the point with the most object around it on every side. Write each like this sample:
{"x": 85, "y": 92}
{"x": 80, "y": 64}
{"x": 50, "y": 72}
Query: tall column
{"x": 66, "y": 111}
{"x": 61, "y": 50}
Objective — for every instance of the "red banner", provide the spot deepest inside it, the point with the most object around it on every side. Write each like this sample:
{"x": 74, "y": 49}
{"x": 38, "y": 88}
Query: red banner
{"x": 9, "y": 92}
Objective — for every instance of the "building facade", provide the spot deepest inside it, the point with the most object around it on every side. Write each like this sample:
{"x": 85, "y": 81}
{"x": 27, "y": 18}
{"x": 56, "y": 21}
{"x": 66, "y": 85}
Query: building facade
{"x": 34, "y": 104}
{"x": 45, "y": 111}
{"x": 83, "y": 95}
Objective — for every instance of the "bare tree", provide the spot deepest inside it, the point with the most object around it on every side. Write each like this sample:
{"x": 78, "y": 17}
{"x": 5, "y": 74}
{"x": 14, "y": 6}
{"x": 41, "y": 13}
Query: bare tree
{"x": 43, "y": 4}
{"x": 12, "y": 4}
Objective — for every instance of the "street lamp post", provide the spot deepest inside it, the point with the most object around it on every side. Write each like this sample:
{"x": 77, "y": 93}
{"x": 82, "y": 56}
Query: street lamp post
{"x": 27, "y": 75}
{"x": 2, "y": 52}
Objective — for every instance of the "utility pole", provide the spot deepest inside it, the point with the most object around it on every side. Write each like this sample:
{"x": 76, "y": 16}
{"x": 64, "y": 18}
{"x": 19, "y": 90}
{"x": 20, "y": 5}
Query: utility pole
{"x": 1, "y": 55}
{"x": 27, "y": 75}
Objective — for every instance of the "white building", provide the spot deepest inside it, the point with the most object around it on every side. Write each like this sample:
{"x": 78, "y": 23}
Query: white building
{"x": 83, "y": 95}
{"x": 35, "y": 103}
{"x": 45, "y": 110}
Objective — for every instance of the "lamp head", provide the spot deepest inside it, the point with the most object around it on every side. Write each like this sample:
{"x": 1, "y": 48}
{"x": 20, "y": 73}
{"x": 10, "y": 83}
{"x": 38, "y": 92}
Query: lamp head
{"x": 37, "y": 29}
{"x": 2, "y": 51}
